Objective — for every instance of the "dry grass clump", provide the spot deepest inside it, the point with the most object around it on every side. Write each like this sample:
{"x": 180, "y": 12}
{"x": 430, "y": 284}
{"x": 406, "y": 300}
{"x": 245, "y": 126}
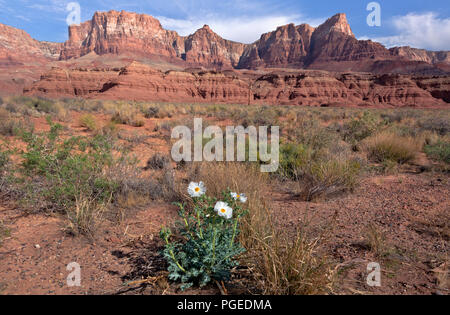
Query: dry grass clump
{"x": 439, "y": 124}
{"x": 158, "y": 162}
{"x": 319, "y": 173}
{"x": 282, "y": 263}
{"x": 9, "y": 125}
{"x": 437, "y": 147}
{"x": 88, "y": 121}
{"x": 37, "y": 106}
{"x": 85, "y": 216}
{"x": 128, "y": 115}
{"x": 376, "y": 241}
{"x": 388, "y": 146}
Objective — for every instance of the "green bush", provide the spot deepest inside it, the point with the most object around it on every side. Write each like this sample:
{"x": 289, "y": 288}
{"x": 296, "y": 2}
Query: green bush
{"x": 439, "y": 151}
{"x": 292, "y": 158}
{"x": 206, "y": 247}
{"x": 309, "y": 132}
{"x": 319, "y": 174}
{"x": 4, "y": 158}
{"x": 9, "y": 126}
{"x": 40, "y": 104}
{"x": 361, "y": 128}
{"x": 71, "y": 168}
{"x": 70, "y": 176}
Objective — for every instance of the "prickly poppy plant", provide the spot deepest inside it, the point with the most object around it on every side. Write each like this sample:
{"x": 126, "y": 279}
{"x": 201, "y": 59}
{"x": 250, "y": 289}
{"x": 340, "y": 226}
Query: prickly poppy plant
{"x": 205, "y": 245}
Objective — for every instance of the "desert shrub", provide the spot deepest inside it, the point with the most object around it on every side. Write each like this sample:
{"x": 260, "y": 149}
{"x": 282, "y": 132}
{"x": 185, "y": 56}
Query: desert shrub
{"x": 36, "y": 106}
{"x": 158, "y": 162}
{"x": 4, "y": 162}
{"x": 376, "y": 241}
{"x": 393, "y": 117}
{"x": 439, "y": 151}
{"x": 40, "y": 104}
{"x": 151, "y": 112}
{"x": 263, "y": 116}
{"x": 308, "y": 132}
{"x": 133, "y": 137}
{"x": 4, "y": 158}
{"x": 127, "y": 116}
{"x": 361, "y": 127}
{"x": 292, "y": 158}
{"x": 389, "y": 146}
{"x": 71, "y": 168}
{"x": 287, "y": 264}
{"x": 134, "y": 190}
{"x": 440, "y": 125}
{"x": 207, "y": 245}
{"x": 109, "y": 131}
{"x": 281, "y": 262}
{"x": 70, "y": 176}
{"x": 318, "y": 174}
{"x": 4, "y": 232}
{"x": 9, "y": 126}
{"x": 88, "y": 121}
{"x": 325, "y": 178}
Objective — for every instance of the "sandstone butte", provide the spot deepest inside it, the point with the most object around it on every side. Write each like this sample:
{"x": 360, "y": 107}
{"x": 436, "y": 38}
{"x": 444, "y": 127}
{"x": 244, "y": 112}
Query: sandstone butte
{"x": 121, "y": 55}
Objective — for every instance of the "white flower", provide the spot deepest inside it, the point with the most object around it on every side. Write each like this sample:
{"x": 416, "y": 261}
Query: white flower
{"x": 223, "y": 210}
{"x": 241, "y": 197}
{"x": 196, "y": 189}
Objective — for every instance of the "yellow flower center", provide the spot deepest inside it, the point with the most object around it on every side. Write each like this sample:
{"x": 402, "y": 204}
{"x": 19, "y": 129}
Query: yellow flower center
{"x": 238, "y": 196}
{"x": 197, "y": 189}
{"x": 223, "y": 210}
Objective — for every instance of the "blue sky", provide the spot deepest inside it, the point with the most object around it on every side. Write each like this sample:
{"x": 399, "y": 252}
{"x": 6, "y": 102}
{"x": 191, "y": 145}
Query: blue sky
{"x": 422, "y": 24}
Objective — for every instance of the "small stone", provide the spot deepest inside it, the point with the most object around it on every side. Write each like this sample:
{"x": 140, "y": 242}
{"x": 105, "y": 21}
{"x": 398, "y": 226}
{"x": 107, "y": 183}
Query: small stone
{"x": 37, "y": 246}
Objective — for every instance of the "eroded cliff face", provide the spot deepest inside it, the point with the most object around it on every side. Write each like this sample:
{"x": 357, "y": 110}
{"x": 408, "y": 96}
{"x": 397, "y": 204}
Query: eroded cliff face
{"x": 288, "y": 45}
{"x": 331, "y": 46}
{"x": 22, "y": 59}
{"x": 433, "y": 57}
{"x": 114, "y": 39}
{"x": 122, "y": 33}
{"x": 307, "y": 88}
{"x": 17, "y": 45}
{"x": 206, "y": 48}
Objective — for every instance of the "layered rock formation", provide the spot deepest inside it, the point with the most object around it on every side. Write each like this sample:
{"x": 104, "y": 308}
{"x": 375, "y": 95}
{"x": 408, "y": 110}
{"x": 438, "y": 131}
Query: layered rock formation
{"x": 331, "y": 46}
{"x": 18, "y": 46}
{"x": 433, "y": 57}
{"x": 288, "y": 45}
{"x": 22, "y": 59}
{"x": 208, "y": 49}
{"x": 143, "y": 36}
{"x": 301, "y": 87}
{"x": 98, "y": 62}
{"x": 122, "y": 33}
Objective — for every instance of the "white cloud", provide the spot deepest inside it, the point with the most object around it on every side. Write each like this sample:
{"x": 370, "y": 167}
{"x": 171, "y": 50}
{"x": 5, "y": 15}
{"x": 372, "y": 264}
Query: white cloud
{"x": 241, "y": 29}
{"x": 424, "y": 30}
